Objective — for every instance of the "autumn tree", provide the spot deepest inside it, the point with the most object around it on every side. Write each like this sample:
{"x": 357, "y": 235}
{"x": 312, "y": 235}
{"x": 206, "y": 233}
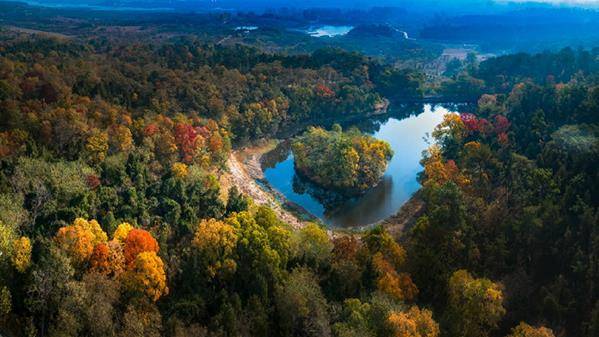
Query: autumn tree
{"x": 216, "y": 244}
{"x": 121, "y": 232}
{"x": 145, "y": 275}
{"x": 108, "y": 259}
{"x": 79, "y": 239}
{"x": 414, "y": 322}
{"x": 525, "y": 330}
{"x": 387, "y": 259}
{"x": 136, "y": 242}
{"x": 21, "y": 255}
{"x": 97, "y": 146}
{"x": 437, "y": 171}
{"x": 392, "y": 283}
{"x": 475, "y": 306}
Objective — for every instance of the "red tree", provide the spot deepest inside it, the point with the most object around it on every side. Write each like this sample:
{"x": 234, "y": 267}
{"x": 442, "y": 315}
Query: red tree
{"x": 138, "y": 241}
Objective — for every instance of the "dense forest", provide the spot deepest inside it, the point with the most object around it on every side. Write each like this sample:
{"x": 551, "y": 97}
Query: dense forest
{"x": 349, "y": 162}
{"x": 114, "y": 220}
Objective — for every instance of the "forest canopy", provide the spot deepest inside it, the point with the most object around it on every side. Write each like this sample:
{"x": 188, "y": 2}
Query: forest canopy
{"x": 350, "y": 162}
{"x": 117, "y": 217}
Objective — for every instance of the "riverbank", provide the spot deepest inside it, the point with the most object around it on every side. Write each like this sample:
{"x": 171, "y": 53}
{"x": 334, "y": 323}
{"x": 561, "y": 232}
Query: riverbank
{"x": 405, "y": 218}
{"x": 245, "y": 172}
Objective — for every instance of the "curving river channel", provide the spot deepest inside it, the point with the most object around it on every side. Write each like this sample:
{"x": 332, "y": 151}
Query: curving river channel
{"x": 408, "y": 133}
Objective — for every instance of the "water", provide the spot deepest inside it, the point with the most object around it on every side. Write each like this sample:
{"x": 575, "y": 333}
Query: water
{"x": 329, "y": 31}
{"x": 408, "y": 138}
{"x": 246, "y": 28}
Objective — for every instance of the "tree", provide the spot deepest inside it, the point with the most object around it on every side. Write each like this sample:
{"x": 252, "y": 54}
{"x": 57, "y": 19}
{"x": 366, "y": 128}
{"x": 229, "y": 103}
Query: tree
{"x": 216, "y": 243}
{"x": 49, "y": 287}
{"x": 141, "y": 320}
{"x": 311, "y": 244}
{"x": 258, "y": 260}
{"x": 121, "y": 139}
{"x": 437, "y": 172}
{"x": 413, "y": 323}
{"x": 301, "y": 307}
{"x": 475, "y": 306}
{"x": 355, "y": 320}
{"x": 78, "y": 240}
{"x": 138, "y": 241}
{"x": 21, "y": 256}
{"x": 389, "y": 281}
{"x": 5, "y": 301}
{"x": 179, "y": 170}
{"x": 108, "y": 259}
{"x": 525, "y": 330}
{"x": 236, "y": 202}
{"x": 349, "y": 162}
{"x": 7, "y": 237}
{"x": 145, "y": 275}
{"x": 121, "y": 232}
{"x": 97, "y": 146}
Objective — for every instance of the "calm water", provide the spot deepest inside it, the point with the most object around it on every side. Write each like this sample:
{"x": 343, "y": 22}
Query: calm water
{"x": 408, "y": 137}
{"x": 329, "y": 31}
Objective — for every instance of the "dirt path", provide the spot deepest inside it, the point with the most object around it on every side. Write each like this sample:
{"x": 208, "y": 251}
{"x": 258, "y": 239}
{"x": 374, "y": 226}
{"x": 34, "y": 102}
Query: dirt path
{"x": 244, "y": 169}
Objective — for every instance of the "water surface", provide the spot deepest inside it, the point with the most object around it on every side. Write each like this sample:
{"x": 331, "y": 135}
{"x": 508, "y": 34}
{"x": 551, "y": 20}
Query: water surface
{"x": 408, "y": 137}
{"x": 329, "y": 31}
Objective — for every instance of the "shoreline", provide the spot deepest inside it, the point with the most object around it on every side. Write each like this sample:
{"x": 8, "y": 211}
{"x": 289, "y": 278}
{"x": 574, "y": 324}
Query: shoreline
{"x": 246, "y": 172}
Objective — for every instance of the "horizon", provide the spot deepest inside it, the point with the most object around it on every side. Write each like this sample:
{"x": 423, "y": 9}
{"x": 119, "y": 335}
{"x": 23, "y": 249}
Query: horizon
{"x": 240, "y": 5}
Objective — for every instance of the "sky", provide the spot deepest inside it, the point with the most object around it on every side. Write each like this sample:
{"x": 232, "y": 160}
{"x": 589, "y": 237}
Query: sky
{"x": 569, "y": 2}
{"x": 459, "y": 5}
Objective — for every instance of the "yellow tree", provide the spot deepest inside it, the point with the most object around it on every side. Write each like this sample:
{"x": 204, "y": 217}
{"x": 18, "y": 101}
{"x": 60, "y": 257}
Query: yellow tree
{"x": 97, "y": 146}
{"x": 146, "y": 276}
{"x": 120, "y": 138}
{"x": 475, "y": 305}
{"x": 79, "y": 239}
{"x": 525, "y": 330}
{"x": 216, "y": 242}
{"x": 452, "y": 127}
{"x": 7, "y": 237}
{"x": 413, "y": 323}
{"x": 122, "y": 231}
{"x": 392, "y": 283}
{"x": 437, "y": 172}
{"x": 76, "y": 241}
{"x": 179, "y": 170}
{"x": 94, "y": 227}
{"x": 21, "y": 256}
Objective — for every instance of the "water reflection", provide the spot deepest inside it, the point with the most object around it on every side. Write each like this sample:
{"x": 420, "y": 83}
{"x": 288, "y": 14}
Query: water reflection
{"x": 406, "y": 130}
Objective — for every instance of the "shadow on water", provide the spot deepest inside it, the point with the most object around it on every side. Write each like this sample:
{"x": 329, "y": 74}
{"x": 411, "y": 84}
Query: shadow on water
{"x": 407, "y": 129}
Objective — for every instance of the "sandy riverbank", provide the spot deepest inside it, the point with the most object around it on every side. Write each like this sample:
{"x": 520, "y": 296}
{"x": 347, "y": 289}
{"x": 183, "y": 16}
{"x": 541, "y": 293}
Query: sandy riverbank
{"x": 244, "y": 170}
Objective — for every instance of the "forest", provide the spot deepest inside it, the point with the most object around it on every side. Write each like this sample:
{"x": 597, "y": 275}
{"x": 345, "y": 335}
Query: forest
{"x": 349, "y": 162}
{"x": 115, "y": 219}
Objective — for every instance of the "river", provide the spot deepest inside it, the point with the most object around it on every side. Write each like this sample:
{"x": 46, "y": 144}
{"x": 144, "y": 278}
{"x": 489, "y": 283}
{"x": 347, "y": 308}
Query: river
{"x": 409, "y": 135}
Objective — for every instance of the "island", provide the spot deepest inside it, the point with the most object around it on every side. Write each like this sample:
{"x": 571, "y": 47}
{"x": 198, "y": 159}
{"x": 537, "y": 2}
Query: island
{"x": 348, "y": 162}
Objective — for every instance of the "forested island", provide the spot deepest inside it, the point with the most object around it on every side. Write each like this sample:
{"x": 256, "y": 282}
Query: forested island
{"x": 348, "y": 162}
{"x": 119, "y": 215}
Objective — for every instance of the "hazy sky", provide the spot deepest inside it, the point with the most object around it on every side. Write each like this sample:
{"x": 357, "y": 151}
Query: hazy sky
{"x": 572, "y": 2}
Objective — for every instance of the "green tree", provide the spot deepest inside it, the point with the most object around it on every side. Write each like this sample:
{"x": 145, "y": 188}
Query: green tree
{"x": 475, "y": 306}
{"x": 301, "y": 307}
